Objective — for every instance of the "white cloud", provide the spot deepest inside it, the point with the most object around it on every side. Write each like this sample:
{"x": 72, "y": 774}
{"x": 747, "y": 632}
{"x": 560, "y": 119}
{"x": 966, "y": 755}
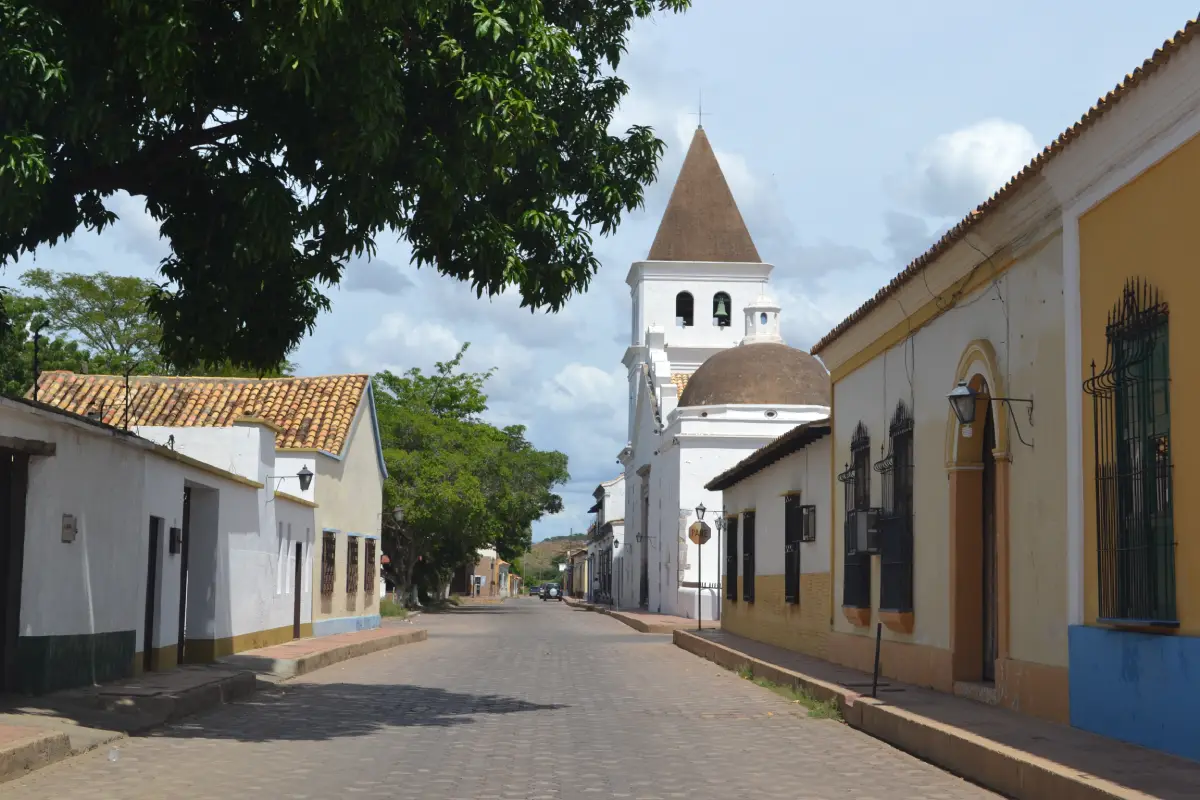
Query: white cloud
{"x": 577, "y": 387}
{"x": 957, "y": 171}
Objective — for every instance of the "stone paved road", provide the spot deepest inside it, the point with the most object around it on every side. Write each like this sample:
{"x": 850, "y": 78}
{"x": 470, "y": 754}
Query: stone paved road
{"x": 521, "y": 701}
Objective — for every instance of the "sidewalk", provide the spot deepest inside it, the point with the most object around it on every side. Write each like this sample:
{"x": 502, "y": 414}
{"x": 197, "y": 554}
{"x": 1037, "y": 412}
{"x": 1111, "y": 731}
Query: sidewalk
{"x": 37, "y": 731}
{"x": 645, "y": 621}
{"x": 1016, "y": 755}
{"x": 302, "y": 656}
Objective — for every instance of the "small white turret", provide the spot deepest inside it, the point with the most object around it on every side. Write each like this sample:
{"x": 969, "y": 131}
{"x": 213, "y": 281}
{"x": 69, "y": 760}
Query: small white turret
{"x": 762, "y": 321}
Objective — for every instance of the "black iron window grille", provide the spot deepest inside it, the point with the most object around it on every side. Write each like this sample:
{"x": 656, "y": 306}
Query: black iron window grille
{"x": 856, "y": 480}
{"x": 748, "y": 547}
{"x": 808, "y": 523}
{"x": 369, "y": 575}
{"x": 731, "y": 559}
{"x": 351, "y": 564}
{"x": 896, "y": 521}
{"x": 328, "y": 554}
{"x": 1135, "y": 524}
{"x": 793, "y": 524}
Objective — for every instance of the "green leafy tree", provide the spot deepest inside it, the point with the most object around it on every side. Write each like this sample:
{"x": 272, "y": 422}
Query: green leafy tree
{"x": 462, "y": 483}
{"x": 16, "y": 349}
{"x": 273, "y": 140}
{"x": 108, "y": 315}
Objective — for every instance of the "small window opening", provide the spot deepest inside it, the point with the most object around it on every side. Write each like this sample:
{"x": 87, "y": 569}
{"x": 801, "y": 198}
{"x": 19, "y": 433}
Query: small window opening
{"x": 684, "y": 310}
{"x": 762, "y": 318}
{"x": 721, "y": 310}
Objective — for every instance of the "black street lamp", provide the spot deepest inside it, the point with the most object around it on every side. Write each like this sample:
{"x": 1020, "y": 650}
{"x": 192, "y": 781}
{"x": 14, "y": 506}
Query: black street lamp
{"x": 35, "y": 327}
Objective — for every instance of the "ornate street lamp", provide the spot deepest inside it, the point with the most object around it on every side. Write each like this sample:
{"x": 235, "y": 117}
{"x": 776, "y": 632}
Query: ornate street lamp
{"x": 700, "y": 509}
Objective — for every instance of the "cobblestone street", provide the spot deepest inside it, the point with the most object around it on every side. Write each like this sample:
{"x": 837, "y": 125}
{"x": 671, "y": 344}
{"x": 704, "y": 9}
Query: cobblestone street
{"x": 524, "y": 700}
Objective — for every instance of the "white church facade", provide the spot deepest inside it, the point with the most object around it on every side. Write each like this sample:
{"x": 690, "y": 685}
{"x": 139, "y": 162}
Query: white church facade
{"x": 704, "y": 391}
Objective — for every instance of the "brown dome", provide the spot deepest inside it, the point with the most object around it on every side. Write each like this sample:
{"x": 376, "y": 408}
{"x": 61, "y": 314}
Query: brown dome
{"x": 764, "y": 373}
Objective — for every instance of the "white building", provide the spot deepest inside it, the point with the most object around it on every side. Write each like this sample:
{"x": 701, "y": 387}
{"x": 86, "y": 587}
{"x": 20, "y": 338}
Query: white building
{"x": 324, "y": 425}
{"x": 606, "y": 540}
{"x": 119, "y": 555}
{"x": 702, "y": 395}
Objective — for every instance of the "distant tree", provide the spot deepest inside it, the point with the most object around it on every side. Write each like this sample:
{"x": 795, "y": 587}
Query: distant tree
{"x": 16, "y": 349}
{"x": 273, "y": 140}
{"x": 109, "y": 316}
{"x": 462, "y": 483}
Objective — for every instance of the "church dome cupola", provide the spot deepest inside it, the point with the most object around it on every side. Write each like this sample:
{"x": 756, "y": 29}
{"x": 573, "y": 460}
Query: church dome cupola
{"x": 762, "y": 322}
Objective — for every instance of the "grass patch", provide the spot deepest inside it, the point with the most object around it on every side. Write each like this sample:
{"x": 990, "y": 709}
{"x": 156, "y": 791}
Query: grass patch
{"x": 817, "y": 709}
{"x": 390, "y": 608}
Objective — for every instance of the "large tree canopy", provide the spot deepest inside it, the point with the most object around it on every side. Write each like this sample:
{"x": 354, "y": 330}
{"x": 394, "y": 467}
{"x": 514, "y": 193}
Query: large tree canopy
{"x": 276, "y": 139}
{"x": 461, "y": 482}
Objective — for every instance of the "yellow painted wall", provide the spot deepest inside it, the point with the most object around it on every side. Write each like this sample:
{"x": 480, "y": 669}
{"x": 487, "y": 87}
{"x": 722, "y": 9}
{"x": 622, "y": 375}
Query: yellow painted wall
{"x": 1018, "y": 309}
{"x": 802, "y": 627}
{"x": 1148, "y": 229}
{"x": 350, "y": 500}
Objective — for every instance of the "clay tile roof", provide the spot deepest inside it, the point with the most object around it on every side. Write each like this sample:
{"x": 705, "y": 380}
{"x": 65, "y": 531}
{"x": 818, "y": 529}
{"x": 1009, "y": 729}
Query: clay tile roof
{"x": 1034, "y": 168}
{"x": 793, "y": 441}
{"x": 310, "y": 413}
{"x": 702, "y": 221}
{"x": 680, "y": 379}
{"x": 765, "y": 373}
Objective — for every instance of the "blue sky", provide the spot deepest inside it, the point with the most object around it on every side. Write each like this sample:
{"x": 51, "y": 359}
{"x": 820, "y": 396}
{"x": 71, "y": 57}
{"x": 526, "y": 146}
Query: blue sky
{"x": 852, "y": 135}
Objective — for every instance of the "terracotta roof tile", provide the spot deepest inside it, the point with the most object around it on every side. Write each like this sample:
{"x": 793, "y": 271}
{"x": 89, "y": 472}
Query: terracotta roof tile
{"x": 680, "y": 379}
{"x": 1034, "y": 168}
{"x": 311, "y": 413}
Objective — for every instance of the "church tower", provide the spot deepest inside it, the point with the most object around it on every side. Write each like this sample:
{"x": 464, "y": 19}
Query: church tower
{"x": 702, "y": 273}
{"x": 703, "y": 268}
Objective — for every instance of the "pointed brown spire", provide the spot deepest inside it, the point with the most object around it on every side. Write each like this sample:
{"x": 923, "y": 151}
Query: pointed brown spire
{"x": 702, "y": 221}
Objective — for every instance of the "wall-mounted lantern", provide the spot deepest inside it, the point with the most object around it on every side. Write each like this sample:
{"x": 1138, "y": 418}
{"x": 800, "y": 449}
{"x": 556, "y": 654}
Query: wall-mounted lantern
{"x": 962, "y": 402}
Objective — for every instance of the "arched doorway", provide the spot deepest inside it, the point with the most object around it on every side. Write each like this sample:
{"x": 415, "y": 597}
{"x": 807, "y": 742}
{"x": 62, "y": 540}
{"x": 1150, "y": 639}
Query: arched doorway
{"x": 977, "y": 460}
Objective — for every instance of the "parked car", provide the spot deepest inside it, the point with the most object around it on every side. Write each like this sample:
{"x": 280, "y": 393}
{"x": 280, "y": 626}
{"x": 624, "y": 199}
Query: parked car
{"x": 552, "y": 592}
{"x": 534, "y": 591}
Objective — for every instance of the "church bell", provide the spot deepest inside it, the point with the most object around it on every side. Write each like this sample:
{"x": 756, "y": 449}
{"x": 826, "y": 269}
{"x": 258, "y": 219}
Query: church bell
{"x": 722, "y": 313}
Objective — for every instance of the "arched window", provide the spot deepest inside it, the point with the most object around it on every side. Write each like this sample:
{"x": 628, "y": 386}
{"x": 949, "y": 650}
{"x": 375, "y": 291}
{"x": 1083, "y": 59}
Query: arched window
{"x": 722, "y": 309}
{"x": 684, "y": 310}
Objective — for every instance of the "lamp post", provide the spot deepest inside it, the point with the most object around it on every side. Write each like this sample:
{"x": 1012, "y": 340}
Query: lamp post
{"x": 700, "y": 509}
{"x": 35, "y": 327}
{"x": 721, "y": 523}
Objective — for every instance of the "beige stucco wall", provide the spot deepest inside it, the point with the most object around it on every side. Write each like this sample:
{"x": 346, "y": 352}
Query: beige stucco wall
{"x": 1021, "y": 315}
{"x": 349, "y": 500}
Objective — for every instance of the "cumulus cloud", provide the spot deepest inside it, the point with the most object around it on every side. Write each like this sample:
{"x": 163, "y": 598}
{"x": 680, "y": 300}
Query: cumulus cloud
{"x": 959, "y": 170}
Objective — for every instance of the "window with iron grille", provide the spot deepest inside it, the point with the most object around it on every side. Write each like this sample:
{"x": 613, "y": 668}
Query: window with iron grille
{"x": 328, "y": 554}
{"x": 351, "y": 565}
{"x": 896, "y": 521}
{"x": 793, "y": 525}
{"x": 1135, "y": 524}
{"x": 369, "y": 576}
{"x": 856, "y": 575}
{"x": 808, "y": 523}
{"x": 748, "y": 546}
{"x": 731, "y": 559}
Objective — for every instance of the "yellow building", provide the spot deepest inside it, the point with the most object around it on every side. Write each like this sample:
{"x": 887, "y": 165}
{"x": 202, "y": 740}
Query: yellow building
{"x": 776, "y": 541}
{"x": 1037, "y": 557}
{"x": 1131, "y": 282}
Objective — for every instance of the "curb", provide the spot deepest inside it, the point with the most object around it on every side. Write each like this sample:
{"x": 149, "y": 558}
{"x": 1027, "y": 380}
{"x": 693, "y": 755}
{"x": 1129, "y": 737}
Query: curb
{"x": 638, "y": 625}
{"x": 284, "y": 668}
{"x": 33, "y": 752}
{"x": 1002, "y": 769}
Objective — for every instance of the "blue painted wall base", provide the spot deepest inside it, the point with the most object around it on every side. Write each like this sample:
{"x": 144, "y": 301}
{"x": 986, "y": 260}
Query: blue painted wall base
{"x": 1137, "y": 687}
{"x": 328, "y": 627}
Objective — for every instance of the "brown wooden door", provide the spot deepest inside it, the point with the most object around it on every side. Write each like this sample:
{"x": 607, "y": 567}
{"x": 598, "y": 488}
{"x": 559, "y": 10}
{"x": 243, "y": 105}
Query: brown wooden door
{"x": 990, "y": 615}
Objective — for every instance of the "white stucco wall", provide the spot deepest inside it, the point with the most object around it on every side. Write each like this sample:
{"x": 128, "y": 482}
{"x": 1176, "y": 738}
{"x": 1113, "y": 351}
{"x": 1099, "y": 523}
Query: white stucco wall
{"x": 1026, "y": 330}
{"x": 807, "y": 472}
{"x": 114, "y": 484}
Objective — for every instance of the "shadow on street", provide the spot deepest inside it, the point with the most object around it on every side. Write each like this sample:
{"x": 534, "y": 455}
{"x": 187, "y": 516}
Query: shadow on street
{"x": 318, "y": 712}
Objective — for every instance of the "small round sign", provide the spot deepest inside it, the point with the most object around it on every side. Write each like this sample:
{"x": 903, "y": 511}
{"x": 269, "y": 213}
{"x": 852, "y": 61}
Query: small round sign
{"x": 699, "y": 533}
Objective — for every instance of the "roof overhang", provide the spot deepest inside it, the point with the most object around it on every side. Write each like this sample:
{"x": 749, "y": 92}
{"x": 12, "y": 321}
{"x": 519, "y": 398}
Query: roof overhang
{"x": 793, "y": 441}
